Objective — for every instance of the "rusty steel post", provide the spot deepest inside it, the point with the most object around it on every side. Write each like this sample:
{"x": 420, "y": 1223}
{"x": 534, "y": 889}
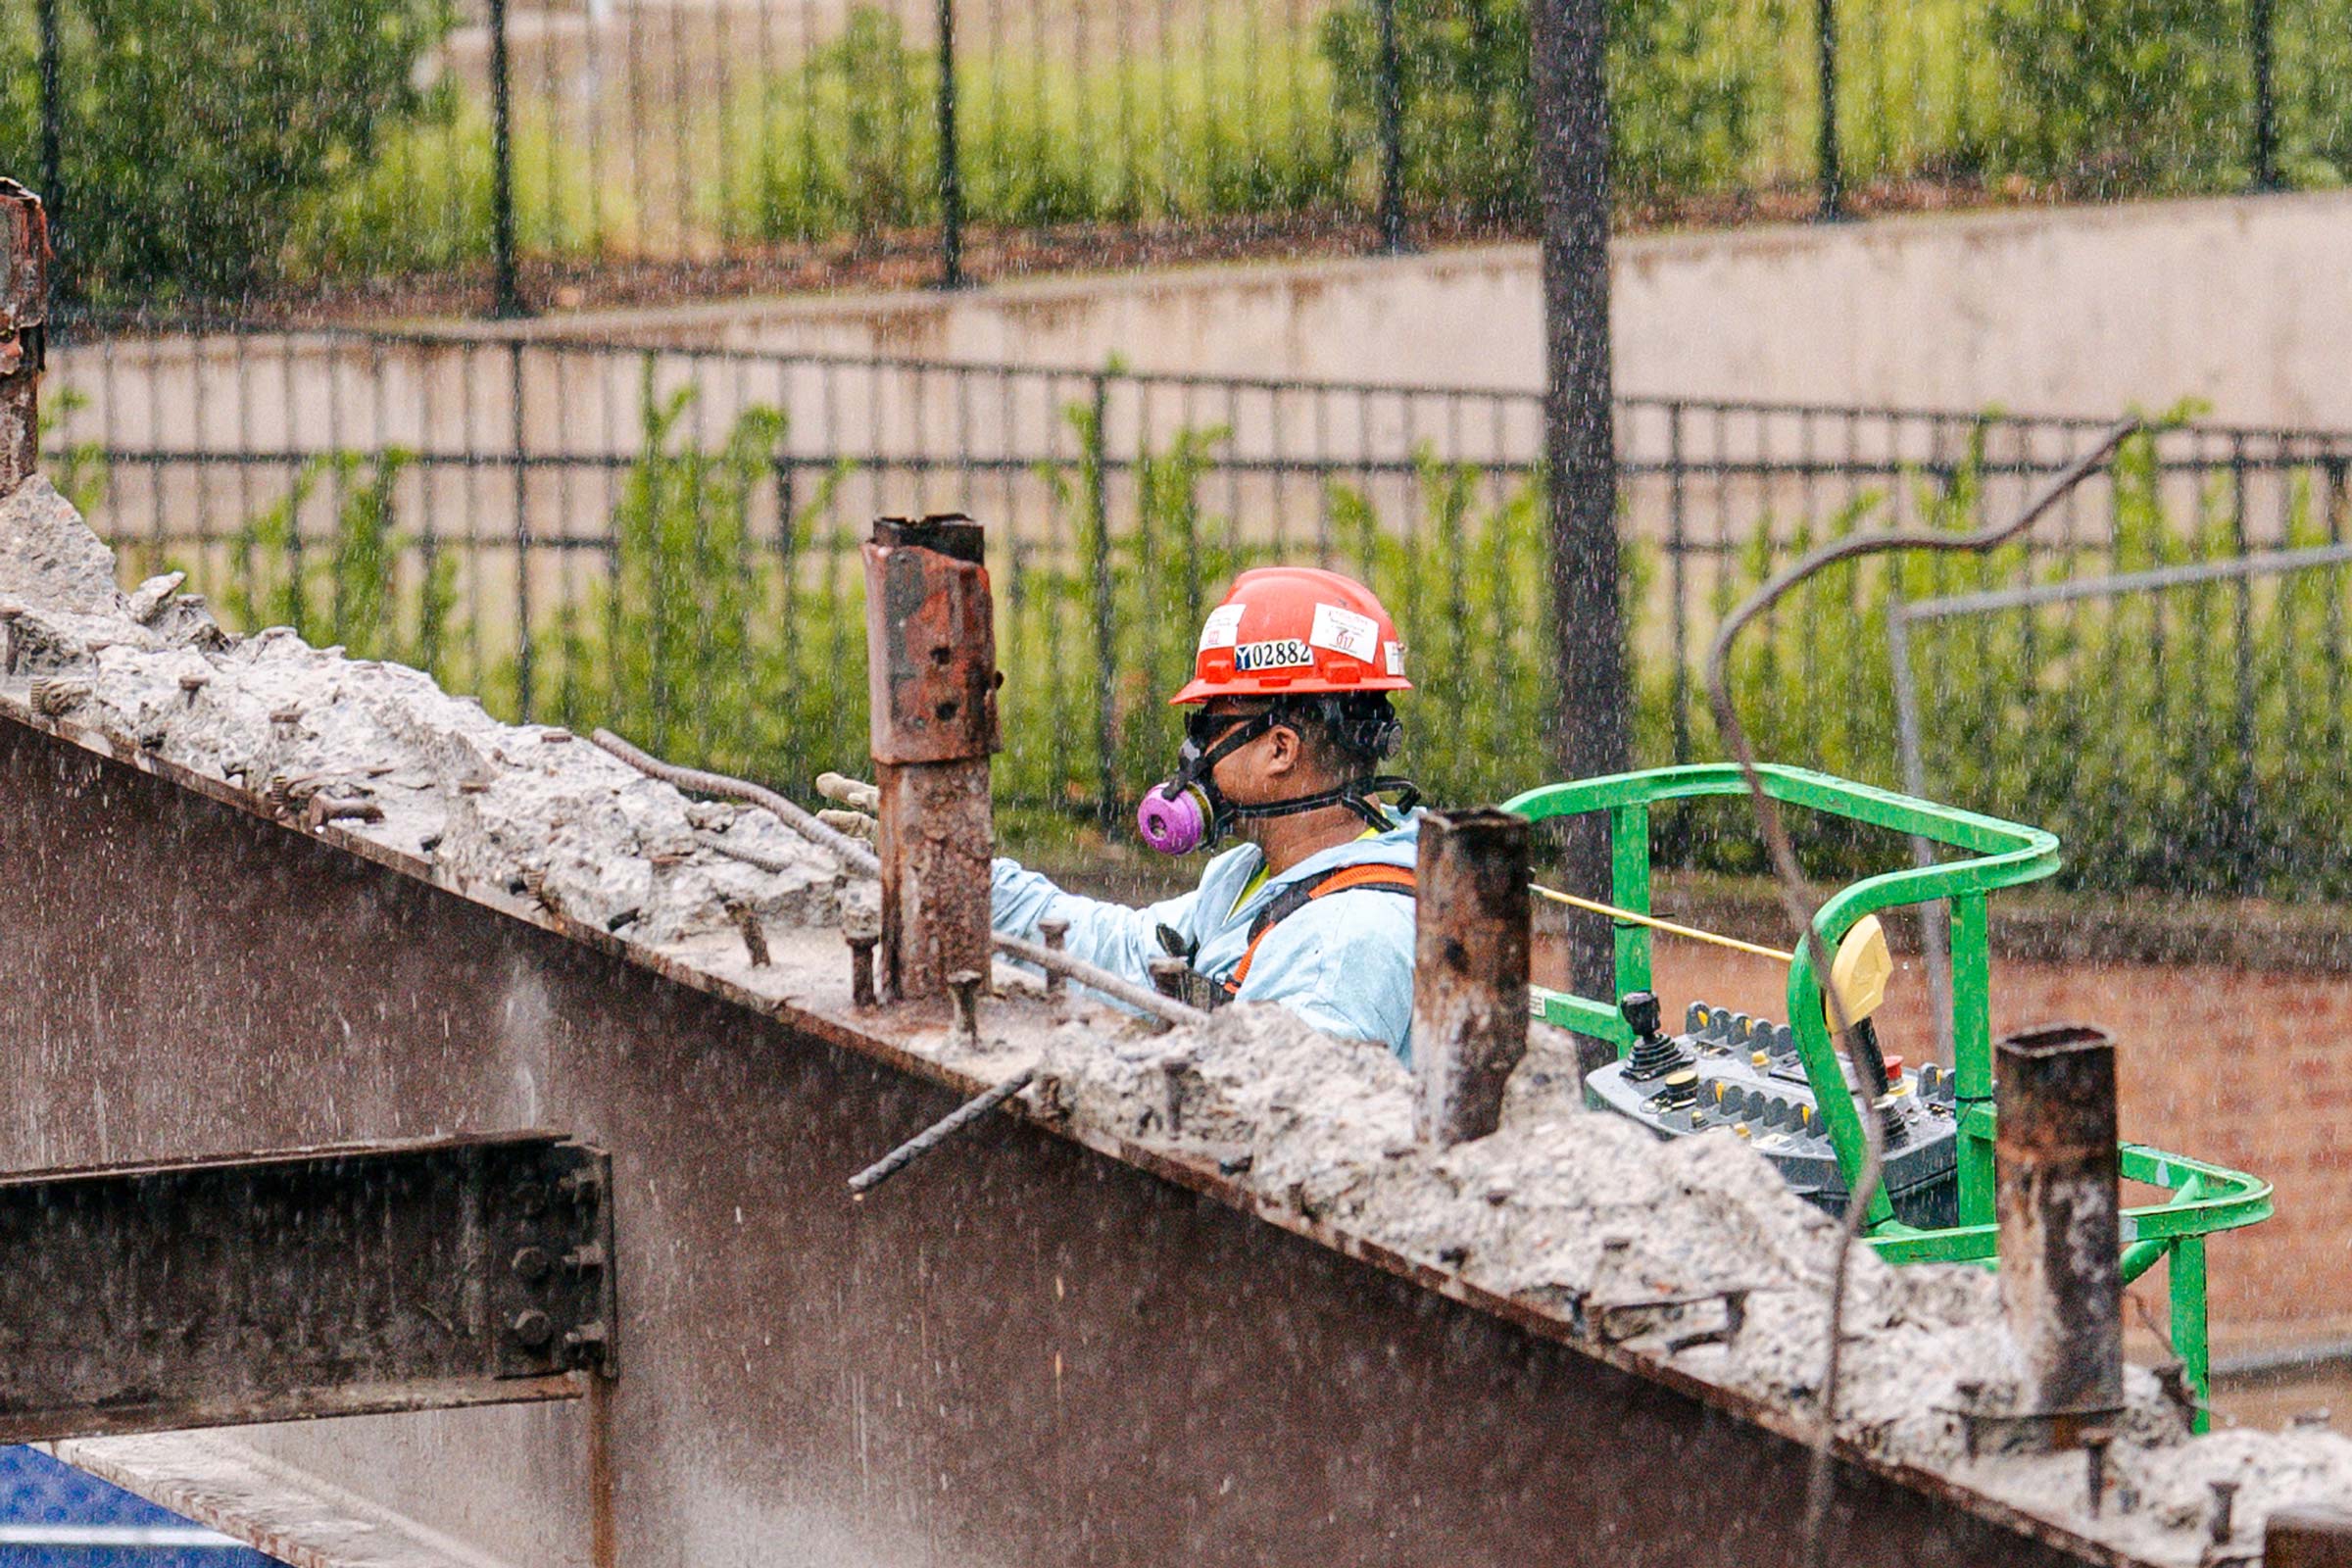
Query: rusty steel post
{"x": 2061, "y": 1243}
{"x": 931, "y": 676}
{"x": 1470, "y": 966}
{"x": 24, "y": 330}
{"x": 2307, "y": 1538}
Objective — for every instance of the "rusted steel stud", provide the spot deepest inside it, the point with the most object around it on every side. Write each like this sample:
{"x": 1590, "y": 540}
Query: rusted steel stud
{"x": 1470, "y": 966}
{"x": 2060, "y": 1223}
{"x": 965, "y": 984}
{"x": 24, "y": 330}
{"x": 1053, "y": 933}
{"x": 931, "y": 676}
{"x": 755, "y": 938}
{"x": 2223, "y": 1522}
{"x": 862, "y": 966}
{"x": 2307, "y": 1537}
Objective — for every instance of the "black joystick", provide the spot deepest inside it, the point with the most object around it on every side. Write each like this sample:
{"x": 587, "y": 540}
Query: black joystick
{"x": 1862, "y": 1045}
{"x": 1654, "y": 1052}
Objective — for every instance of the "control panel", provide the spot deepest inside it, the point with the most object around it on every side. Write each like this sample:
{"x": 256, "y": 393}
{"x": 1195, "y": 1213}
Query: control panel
{"x": 1734, "y": 1076}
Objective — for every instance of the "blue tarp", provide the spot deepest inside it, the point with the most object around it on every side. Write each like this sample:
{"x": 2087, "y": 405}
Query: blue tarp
{"x": 36, "y": 1491}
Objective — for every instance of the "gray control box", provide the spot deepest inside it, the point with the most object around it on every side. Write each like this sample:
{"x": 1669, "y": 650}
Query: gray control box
{"x": 1735, "y": 1076}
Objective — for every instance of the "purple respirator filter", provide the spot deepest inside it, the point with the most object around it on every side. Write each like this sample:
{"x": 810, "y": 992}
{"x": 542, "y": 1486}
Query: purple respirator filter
{"x": 1173, "y": 824}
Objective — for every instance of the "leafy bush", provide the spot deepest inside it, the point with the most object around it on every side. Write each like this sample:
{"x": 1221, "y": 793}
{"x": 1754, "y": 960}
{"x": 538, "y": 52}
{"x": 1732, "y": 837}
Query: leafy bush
{"x": 425, "y": 203}
{"x": 2118, "y": 97}
{"x": 849, "y": 145}
{"x": 359, "y": 595}
{"x": 1686, "y": 82}
{"x": 193, "y": 130}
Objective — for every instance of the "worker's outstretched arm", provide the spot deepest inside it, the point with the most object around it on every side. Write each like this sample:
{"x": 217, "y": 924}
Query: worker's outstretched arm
{"x": 1110, "y": 935}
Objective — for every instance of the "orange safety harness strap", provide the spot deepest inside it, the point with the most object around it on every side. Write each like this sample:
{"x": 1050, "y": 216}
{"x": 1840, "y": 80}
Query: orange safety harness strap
{"x": 1290, "y": 901}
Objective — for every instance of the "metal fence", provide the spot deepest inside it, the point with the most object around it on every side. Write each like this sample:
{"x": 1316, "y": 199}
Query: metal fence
{"x": 666, "y": 538}
{"x": 576, "y": 136}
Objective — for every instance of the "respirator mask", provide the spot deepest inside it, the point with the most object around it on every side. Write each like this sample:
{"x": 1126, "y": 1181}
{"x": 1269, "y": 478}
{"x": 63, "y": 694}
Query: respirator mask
{"x": 1186, "y": 809}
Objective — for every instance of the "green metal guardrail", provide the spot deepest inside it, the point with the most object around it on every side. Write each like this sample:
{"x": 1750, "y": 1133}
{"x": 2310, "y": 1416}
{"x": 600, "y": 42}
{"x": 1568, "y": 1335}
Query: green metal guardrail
{"x": 2203, "y": 1198}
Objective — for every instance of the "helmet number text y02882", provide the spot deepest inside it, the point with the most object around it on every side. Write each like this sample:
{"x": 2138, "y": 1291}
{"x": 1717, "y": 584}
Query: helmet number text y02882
{"x": 1282, "y": 653}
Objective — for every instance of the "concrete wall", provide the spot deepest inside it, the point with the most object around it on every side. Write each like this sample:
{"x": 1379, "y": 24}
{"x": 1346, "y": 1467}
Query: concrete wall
{"x": 2246, "y": 302}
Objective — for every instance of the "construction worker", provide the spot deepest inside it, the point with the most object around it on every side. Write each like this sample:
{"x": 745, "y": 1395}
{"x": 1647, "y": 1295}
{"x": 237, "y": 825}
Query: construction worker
{"x": 1314, "y": 908}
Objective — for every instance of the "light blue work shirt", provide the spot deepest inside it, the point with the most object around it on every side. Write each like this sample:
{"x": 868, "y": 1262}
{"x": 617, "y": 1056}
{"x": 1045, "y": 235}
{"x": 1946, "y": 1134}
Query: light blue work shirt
{"x": 1344, "y": 961}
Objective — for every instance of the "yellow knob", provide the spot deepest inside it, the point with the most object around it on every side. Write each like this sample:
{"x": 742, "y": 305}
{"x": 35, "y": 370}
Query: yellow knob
{"x": 1741, "y": 1128}
{"x": 1760, "y": 1058}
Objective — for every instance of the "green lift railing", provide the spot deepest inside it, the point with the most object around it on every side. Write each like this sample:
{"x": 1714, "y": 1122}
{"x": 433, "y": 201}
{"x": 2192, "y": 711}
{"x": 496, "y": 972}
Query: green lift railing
{"x": 2202, "y": 1199}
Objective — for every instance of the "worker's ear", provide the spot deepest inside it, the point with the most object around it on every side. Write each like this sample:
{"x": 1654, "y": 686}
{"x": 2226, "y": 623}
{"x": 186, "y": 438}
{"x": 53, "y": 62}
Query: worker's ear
{"x": 1285, "y": 751}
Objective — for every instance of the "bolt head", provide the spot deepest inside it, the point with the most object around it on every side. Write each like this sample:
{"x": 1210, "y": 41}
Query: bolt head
{"x": 531, "y": 1264}
{"x": 533, "y": 1328}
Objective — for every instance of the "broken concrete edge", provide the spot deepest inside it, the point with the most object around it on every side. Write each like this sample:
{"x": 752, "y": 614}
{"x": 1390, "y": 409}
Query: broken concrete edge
{"x": 906, "y": 1039}
{"x": 286, "y": 1513}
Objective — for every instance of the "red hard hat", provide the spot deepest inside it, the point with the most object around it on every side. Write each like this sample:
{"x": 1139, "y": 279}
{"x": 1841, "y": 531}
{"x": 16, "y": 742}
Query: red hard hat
{"x": 1291, "y": 630}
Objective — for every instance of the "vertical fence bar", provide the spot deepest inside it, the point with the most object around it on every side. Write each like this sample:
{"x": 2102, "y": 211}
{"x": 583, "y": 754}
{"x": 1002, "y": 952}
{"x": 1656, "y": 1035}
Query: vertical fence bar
{"x": 523, "y": 671}
{"x": 2261, "y": 22}
{"x": 506, "y": 297}
{"x": 950, "y": 168}
{"x": 1827, "y": 168}
{"x": 1095, "y": 469}
{"x": 1677, "y": 551}
{"x": 1392, "y": 132}
{"x": 2246, "y": 833}
{"x": 53, "y": 111}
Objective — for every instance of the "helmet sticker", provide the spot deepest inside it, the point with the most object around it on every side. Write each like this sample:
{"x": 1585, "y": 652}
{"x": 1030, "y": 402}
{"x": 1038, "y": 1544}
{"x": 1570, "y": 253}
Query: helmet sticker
{"x": 1223, "y": 629}
{"x": 1396, "y": 652}
{"x": 1280, "y": 653}
{"x": 1344, "y": 631}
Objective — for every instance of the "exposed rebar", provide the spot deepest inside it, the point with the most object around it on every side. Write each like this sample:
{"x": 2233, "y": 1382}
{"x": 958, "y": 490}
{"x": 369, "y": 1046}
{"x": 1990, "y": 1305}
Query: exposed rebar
{"x": 853, "y": 855}
{"x": 939, "y": 1132}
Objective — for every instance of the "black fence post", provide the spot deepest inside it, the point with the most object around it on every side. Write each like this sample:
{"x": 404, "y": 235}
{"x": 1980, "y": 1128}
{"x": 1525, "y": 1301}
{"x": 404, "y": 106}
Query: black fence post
{"x": 53, "y": 156}
{"x": 2262, "y": 20}
{"x": 505, "y": 300}
{"x": 1392, "y": 132}
{"x": 1593, "y": 729}
{"x": 1831, "y": 175}
{"x": 951, "y": 170}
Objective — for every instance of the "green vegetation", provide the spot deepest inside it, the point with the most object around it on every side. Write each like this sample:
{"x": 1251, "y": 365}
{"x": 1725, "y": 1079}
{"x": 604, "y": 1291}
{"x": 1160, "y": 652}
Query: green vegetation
{"x": 2115, "y": 724}
{"x": 710, "y": 636}
{"x": 214, "y": 151}
{"x": 849, "y": 143}
{"x": 192, "y": 131}
{"x": 425, "y": 203}
{"x": 356, "y": 592}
